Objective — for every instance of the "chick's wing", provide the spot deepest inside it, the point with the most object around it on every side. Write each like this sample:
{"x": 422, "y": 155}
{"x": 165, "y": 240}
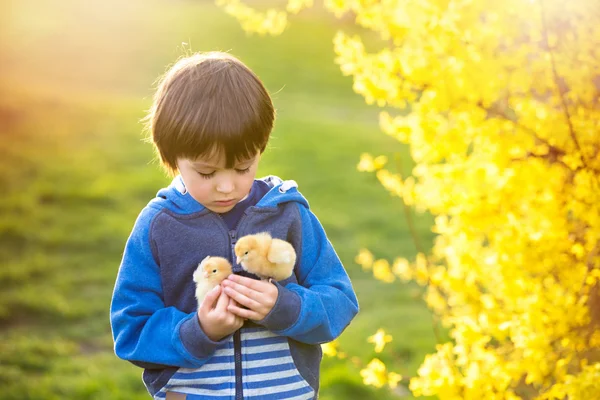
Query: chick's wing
{"x": 281, "y": 252}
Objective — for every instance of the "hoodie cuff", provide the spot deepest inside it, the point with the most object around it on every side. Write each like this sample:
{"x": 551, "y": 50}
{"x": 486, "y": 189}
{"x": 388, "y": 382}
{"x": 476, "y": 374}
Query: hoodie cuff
{"x": 195, "y": 341}
{"x": 285, "y": 312}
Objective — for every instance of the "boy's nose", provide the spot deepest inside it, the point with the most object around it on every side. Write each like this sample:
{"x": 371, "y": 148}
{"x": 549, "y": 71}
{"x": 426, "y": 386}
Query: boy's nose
{"x": 225, "y": 186}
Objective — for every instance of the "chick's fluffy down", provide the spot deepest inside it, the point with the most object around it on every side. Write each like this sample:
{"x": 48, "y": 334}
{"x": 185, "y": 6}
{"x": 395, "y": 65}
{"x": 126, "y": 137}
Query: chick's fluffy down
{"x": 209, "y": 274}
{"x": 265, "y": 256}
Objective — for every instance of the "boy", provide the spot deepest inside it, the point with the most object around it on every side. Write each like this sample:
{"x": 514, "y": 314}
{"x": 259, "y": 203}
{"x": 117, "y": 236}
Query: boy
{"x": 249, "y": 339}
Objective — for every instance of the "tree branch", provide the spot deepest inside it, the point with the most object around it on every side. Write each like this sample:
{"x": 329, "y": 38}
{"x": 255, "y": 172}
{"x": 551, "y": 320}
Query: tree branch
{"x": 501, "y": 114}
{"x": 558, "y": 88}
{"x": 419, "y": 246}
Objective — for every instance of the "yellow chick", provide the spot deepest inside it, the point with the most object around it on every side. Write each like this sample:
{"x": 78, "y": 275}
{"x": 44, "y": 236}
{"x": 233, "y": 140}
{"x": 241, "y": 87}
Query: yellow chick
{"x": 266, "y": 257}
{"x": 209, "y": 274}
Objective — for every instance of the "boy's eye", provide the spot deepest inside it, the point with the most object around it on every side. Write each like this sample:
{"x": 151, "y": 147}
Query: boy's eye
{"x": 242, "y": 171}
{"x": 206, "y": 176}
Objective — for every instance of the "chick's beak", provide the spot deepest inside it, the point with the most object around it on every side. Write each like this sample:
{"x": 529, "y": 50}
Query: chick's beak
{"x": 238, "y": 260}
{"x": 205, "y": 274}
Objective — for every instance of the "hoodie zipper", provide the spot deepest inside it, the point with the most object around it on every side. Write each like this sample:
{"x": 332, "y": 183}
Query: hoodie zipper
{"x": 232, "y": 242}
{"x": 237, "y": 336}
{"x": 237, "y": 340}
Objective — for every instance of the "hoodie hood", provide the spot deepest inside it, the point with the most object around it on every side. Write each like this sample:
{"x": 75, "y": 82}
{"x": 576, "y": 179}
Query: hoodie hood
{"x": 176, "y": 198}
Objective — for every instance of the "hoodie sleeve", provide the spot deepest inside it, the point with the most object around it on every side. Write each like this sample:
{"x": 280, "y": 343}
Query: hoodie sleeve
{"x": 322, "y": 304}
{"x": 146, "y": 332}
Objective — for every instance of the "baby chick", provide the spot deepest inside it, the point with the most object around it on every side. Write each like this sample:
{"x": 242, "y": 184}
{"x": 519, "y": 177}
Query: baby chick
{"x": 266, "y": 257}
{"x": 209, "y": 274}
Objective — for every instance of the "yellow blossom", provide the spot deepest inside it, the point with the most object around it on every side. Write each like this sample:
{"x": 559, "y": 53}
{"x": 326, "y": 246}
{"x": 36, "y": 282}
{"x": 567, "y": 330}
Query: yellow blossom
{"x": 380, "y": 339}
{"x": 402, "y": 269}
{"x": 330, "y": 349}
{"x": 382, "y": 271}
{"x": 376, "y": 374}
{"x": 365, "y": 259}
{"x": 369, "y": 164}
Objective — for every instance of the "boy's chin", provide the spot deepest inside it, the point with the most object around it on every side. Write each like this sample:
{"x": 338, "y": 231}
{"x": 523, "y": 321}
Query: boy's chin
{"x": 220, "y": 209}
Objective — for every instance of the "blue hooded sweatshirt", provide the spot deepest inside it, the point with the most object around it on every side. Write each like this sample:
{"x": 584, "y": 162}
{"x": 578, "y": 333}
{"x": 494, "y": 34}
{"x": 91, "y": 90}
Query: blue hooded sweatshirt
{"x": 154, "y": 311}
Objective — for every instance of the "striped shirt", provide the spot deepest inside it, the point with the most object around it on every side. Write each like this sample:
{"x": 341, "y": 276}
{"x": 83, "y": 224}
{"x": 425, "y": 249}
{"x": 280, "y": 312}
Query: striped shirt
{"x": 268, "y": 372}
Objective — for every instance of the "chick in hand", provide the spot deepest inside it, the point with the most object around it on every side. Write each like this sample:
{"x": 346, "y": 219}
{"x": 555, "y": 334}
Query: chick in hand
{"x": 209, "y": 274}
{"x": 266, "y": 257}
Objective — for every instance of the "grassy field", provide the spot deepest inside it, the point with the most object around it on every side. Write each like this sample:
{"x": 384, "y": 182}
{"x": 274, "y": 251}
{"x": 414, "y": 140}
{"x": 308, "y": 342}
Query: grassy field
{"x": 75, "y": 79}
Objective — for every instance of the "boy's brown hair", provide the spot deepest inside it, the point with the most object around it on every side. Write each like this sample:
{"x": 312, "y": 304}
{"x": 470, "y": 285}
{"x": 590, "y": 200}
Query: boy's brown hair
{"x": 207, "y": 103}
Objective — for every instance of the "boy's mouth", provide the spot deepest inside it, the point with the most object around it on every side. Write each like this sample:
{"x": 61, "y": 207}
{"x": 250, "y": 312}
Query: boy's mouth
{"x": 225, "y": 202}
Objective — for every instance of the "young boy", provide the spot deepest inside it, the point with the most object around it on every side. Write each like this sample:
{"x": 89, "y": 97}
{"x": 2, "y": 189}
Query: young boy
{"x": 249, "y": 339}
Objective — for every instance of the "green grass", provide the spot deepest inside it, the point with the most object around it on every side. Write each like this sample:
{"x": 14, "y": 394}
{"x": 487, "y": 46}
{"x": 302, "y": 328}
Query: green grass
{"x": 76, "y": 79}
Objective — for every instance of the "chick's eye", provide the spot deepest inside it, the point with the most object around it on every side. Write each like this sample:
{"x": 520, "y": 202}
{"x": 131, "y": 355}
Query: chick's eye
{"x": 246, "y": 253}
{"x": 214, "y": 271}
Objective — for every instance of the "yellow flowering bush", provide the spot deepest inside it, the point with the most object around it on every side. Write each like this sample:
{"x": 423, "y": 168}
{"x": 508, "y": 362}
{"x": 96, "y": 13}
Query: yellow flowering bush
{"x": 499, "y": 102}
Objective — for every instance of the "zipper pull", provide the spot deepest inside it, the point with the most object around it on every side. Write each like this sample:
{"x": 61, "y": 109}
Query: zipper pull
{"x": 233, "y": 240}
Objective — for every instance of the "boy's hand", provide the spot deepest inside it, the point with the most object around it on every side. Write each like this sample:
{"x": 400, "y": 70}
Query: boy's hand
{"x": 258, "y": 296}
{"x": 216, "y": 321}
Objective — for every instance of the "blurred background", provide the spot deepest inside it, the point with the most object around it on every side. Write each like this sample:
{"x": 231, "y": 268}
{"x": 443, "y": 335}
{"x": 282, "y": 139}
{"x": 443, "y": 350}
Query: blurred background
{"x": 75, "y": 79}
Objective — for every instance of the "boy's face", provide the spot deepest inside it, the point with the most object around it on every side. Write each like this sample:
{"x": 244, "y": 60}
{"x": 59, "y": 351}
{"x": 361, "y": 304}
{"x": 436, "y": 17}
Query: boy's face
{"x": 215, "y": 187}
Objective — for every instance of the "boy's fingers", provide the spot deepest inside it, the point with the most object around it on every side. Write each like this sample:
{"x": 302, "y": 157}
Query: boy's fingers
{"x": 248, "y": 282}
{"x": 222, "y": 303}
{"x": 243, "y": 312}
{"x": 242, "y": 299}
{"x": 210, "y": 299}
{"x": 245, "y": 290}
